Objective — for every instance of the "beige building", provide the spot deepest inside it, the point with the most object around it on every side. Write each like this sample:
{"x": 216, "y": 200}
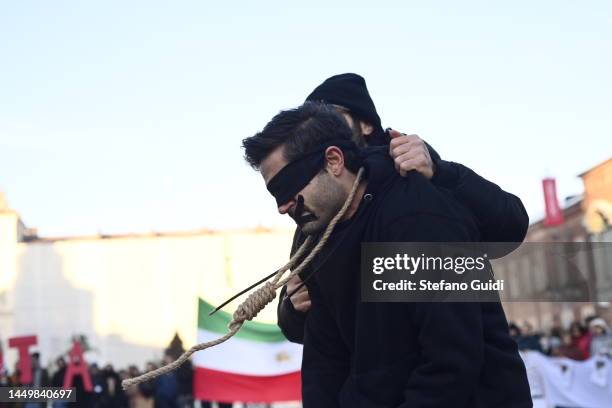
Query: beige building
{"x": 128, "y": 294}
{"x": 597, "y": 203}
{"x": 586, "y": 219}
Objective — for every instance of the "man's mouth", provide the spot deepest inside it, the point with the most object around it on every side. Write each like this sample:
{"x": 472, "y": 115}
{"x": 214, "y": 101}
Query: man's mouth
{"x": 300, "y": 216}
{"x": 305, "y": 219}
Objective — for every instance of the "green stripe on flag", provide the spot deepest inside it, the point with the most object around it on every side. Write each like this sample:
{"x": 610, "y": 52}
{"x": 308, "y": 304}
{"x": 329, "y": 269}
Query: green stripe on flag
{"x": 255, "y": 331}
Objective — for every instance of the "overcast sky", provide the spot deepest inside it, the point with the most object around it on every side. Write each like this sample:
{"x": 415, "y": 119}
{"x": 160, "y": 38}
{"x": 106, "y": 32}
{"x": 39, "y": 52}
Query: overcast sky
{"x": 123, "y": 116}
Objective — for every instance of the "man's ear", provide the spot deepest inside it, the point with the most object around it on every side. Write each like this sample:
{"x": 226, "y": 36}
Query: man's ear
{"x": 334, "y": 160}
{"x": 366, "y": 128}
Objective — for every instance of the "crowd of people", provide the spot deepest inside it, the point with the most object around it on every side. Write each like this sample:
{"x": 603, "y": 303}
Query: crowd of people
{"x": 579, "y": 341}
{"x": 171, "y": 390}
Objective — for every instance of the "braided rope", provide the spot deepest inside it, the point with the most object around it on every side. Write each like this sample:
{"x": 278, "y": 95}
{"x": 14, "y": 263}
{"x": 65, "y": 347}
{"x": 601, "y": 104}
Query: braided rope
{"x": 260, "y": 298}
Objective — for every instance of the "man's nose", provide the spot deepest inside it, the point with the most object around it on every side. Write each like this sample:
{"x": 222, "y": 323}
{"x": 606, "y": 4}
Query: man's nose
{"x": 284, "y": 209}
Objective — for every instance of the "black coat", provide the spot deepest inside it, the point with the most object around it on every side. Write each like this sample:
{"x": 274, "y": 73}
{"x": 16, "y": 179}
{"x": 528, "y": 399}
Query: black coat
{"x": 499, "y": 215}
{"x": 372, "y": 355}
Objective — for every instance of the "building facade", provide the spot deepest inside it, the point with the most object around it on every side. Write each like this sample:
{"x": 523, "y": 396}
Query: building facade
{"x": 587, "y": 219}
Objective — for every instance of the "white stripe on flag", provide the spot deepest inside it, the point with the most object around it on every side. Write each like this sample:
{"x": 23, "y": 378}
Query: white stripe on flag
{"x": 247, "y": 357}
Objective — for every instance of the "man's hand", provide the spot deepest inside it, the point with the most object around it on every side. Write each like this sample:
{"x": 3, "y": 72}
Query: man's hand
{"x": 300, "y": 300}
{"x": 409, "y": 152}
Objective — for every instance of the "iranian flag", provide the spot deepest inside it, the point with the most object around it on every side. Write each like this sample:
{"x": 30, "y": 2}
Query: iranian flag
{"x": 258, "y": 364}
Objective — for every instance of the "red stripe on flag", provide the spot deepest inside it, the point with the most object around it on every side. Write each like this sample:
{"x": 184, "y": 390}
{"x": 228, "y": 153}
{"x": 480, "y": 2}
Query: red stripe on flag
{"x": 213, "y": 385}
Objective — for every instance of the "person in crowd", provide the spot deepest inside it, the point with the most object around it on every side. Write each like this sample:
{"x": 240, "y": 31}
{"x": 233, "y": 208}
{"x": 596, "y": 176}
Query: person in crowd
{"x": 5, "y": 381}
{"x": 524, "y": 341}
{"x": 567, "y": 349}
{"x": 601, "y": 341}
{"x": 151, "y": 365}
{"x": 100, "y": 391}
{"x": 581, "y": 338}
{"x": 133, "y": 371}
{"x": 16, "y": 376}
{"x": 115, "y": 396}
{"x": 123, "y": 397}
{"x": 553, "y": 340}
{"x": 514, "y": 331}
{"x": 57, "y": 380}
{"x": 530, "y": 340}
{"x": 184, "y": 373}
{"x": 40, "y": 378}
{"x": 166, "y": 388}
{"x": 142, "y": 395}
{"x": 40, "y": 375}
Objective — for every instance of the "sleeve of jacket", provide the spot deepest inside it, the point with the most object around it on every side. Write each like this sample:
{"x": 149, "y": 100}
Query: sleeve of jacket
{"x": 501, "y": 216}
{"x": 291, "y": 321}
{"x": 450, "y": 335}
{"x": 325, "y": 360}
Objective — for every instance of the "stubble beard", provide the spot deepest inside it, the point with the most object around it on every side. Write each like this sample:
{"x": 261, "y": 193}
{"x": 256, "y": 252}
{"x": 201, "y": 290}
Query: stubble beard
{"x": 327, "y": 204}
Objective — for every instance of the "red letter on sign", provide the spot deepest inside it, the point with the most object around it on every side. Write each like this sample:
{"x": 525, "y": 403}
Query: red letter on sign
{"x": 22, "y": 344}
{"x": 77, "y": 366}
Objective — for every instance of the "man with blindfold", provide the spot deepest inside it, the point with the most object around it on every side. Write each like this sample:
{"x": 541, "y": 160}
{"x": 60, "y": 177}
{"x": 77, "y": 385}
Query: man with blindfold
{"x": 377, "y": 354}
{"x": 500, "y": 216}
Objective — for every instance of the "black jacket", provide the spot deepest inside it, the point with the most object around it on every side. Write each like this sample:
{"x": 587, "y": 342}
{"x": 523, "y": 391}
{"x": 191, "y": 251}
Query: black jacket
{"x": 500, "y": 217}
{"x": 359, "y": 354}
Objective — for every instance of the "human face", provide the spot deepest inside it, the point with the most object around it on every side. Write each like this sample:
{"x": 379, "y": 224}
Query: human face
{"x": 322, "y": 197}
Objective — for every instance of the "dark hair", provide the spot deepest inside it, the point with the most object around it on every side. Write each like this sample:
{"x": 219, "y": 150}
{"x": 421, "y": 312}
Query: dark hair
{"x": 301, "y": 130}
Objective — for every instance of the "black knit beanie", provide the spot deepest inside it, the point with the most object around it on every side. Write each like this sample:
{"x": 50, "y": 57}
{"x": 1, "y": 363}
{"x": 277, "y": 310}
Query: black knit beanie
{"x": 351, "y": 92}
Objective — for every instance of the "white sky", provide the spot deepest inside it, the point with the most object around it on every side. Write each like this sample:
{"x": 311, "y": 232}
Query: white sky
{"x": 128, "y": 116}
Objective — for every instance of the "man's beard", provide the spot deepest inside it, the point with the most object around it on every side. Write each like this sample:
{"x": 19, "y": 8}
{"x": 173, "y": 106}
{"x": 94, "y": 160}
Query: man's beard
{"x": 302, "y": 215}
{"x": 323, "y": 207}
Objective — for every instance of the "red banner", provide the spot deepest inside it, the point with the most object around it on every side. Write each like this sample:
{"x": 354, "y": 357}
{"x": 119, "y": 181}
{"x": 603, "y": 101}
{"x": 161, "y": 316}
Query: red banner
{"x": 554, "y": 215}
{"x": 22, "y": 344}
{"x": 77, "y": 366}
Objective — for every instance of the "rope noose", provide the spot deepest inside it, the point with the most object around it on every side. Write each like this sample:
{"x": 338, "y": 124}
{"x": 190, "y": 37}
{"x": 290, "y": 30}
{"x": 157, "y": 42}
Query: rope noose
{"x": 260, "y": 298}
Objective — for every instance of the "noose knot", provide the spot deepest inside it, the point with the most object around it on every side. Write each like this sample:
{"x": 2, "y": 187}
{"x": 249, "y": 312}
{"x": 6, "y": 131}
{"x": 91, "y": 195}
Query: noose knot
{"x": 253, "y": 304}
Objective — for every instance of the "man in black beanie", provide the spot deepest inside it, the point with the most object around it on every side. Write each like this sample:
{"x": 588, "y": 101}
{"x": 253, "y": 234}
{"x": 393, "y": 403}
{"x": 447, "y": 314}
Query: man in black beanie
{"x": 500, "y": 216}
{"x": 349, "y": 94}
